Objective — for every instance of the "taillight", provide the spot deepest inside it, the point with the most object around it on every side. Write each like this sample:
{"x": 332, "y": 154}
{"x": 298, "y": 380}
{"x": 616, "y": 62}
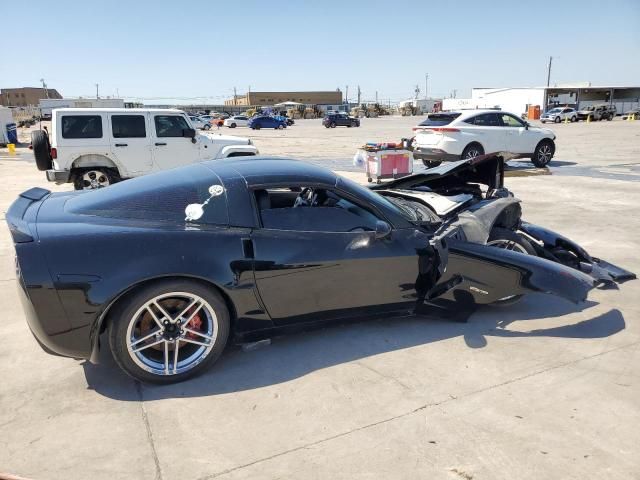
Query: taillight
{"x": 54, "y": 153}
{"x": 444, "y": 129}
{"x": 436, "y": 129}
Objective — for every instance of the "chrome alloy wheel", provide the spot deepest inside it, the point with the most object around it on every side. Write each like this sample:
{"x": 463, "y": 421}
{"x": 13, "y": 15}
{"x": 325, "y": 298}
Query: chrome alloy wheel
{"x": 92, "y": 179}
{"x": 172, "y": 333}
{"x": 544, "y": 154}
{"x": 472, "y": 153}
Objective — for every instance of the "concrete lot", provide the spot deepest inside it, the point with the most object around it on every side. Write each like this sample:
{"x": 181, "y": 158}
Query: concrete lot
{"x": 542, "y": 389}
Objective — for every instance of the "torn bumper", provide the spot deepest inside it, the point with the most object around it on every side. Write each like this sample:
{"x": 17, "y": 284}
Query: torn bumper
{"x": 553, "y": 246}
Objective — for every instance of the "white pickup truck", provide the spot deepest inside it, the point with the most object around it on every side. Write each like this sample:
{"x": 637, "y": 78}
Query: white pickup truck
{"x": 94, "y": 148}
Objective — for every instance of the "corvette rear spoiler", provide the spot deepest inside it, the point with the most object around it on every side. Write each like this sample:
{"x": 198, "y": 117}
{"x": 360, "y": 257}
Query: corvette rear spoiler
{"x": 18, "y": 224}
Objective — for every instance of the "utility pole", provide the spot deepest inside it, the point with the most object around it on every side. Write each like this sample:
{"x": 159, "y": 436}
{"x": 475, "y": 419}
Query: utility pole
{"x": 97, "y": 95}
{"x": 44, "y": 86}
{"x": 549, "y": 71}
{"x": 426, "y": 86}
{"x": 346, "y": 95}
{"x": 234, "y": 97}
{"x": 376, "y": 96}
{"x": 358, "y": 94}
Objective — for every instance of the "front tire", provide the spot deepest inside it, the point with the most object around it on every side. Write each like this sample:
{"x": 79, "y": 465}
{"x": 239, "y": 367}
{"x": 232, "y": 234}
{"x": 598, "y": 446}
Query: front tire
{"x": 509, "y": 240}
{"x": 543, "y": 153}
{"x": 169, "y": 331}
{"x": 557, "y": 120}
{"x": 574, "y": 119}
{"x": 332, "y": 124}
{"x": 233, "y": 125}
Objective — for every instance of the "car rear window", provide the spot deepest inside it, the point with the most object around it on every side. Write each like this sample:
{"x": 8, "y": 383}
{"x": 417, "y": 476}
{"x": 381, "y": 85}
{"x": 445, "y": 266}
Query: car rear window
{"x": 192, "y": 194}
{"x": 81, "y": 126}
{"x": 439, "y": 119}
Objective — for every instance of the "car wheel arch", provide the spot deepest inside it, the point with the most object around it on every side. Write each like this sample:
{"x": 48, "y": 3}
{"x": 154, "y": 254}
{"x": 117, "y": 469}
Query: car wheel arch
{"x": 106, "y": 316}
{"x": 96, "y": 160}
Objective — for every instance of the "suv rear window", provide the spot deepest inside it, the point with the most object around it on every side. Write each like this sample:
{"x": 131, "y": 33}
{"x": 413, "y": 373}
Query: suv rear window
{"x": 162, "y": 196}
{"x": 81, "y": 126}
{"x": 128, "y": 126}
{"x": 439, "y": 119}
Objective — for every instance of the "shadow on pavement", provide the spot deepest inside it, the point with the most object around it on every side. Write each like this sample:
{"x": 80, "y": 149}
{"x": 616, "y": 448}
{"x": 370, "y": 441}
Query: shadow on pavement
{"x": 296, "y": 355}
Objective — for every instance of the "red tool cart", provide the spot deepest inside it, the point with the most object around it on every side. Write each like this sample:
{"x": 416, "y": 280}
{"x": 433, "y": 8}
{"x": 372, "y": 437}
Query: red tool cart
{"x": 387, "y": 161}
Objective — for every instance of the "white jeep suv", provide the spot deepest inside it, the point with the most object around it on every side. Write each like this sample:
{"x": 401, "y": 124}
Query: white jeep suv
{"x": 94, "y": 147}
{"x": 448, "y": 136}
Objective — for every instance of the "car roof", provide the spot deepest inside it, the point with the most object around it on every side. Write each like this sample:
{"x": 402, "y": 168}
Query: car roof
{"x": 271, "y": 170}
{"x": 120, "y": 110}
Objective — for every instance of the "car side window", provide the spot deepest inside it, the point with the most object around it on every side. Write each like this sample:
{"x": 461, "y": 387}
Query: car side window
{"x": 312, "y": 210}
{"x": 487, "y": 120}
{"x": 128, "y": 126}
{"x": 510, "y": 121}
{"x": 170, "y": 125}
{"x": 81, "y": 126}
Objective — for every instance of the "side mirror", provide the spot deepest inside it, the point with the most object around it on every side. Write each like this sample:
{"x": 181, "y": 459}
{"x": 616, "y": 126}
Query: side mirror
{"x": 526, "y": 125}
{"x": 383, "y": 229}
{"x": 188, "y": 133}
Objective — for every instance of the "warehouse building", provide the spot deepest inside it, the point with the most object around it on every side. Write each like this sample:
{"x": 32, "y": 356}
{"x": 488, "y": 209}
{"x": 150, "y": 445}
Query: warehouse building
{"x": 271, "y": 98}
{"x": 517, "y": 100}
{"x": 25, "y": 96}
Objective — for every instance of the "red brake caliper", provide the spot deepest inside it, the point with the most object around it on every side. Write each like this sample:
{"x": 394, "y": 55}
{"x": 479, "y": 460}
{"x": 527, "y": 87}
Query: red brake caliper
{"x": 194, "y": 324}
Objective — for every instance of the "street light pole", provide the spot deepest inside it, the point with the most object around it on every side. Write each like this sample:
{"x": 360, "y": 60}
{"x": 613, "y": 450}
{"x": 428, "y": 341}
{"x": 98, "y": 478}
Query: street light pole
{"x": 549, "y": 71}
{"x": 426, "y": 86}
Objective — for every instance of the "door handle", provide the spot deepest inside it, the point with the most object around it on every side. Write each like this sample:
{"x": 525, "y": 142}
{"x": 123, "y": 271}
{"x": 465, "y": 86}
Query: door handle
{"x": 121, "y": 144}
{"x": 247, "y": 248}
{"x": 160, "y": 144}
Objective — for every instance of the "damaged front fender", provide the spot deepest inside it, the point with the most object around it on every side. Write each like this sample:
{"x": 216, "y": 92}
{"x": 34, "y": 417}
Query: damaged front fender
{"x": 485, "y": 275}
{"x": 558, "y": 248}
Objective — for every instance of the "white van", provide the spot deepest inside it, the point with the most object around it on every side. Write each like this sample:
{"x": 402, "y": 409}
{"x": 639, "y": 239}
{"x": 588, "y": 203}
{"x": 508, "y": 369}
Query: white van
{"x": 94, "y": 147}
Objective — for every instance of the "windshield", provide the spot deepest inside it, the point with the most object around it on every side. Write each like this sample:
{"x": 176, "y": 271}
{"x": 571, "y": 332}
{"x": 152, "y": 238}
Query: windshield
{"x": 589, "y": 108}
{"x": 555, "y": 110}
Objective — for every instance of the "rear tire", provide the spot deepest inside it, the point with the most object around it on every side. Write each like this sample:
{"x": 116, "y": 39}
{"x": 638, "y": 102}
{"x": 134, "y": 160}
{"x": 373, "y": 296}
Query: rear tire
{"x": 574, "y": 119}
{"x": 557, "y": 120}
{"x": 41, "y": 149}
{"x": 431, "y": 163}
{"x": 147, "y": 365}
{"x": 472, "y": 150}
{"x": 332, "y": 124}
{"x": 233, "y": 125}
{"x": 94, "y": 178}
{"x": 543, "y": 153}
{"x": 280, "y": 127}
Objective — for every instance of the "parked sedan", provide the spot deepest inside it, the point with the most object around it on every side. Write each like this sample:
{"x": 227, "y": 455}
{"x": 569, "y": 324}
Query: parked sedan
{"x": 450, "y": 136}
{"x": 199, "y": 123}
{"x": 266, "y": 121}
{"x": 234, "y": 250}
{"x": 236, "y": 121}
{"x": 634, "y": 114}
{"x": 559, "y": 114}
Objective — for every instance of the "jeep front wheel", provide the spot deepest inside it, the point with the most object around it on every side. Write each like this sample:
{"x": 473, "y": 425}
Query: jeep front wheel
{"x": 94, "y": 178}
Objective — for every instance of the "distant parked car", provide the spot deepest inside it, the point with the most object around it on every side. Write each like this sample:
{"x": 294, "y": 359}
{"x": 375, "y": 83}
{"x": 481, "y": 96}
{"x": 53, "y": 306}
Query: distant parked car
{"x": 635, "y": 113}
{"x": 287, "y": 120}
{"x": 597, "y": 112}
{"x": 333, "y": 120}
{"x": 449, "y": 136}
{"x": 266, "y": 121}
{"x": 237, "y": 121}
{"x": 559, "y": 114}
{"x": 199, "y": 123}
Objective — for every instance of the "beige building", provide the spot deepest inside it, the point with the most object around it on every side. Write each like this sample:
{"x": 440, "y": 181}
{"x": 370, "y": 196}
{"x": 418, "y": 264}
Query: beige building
{"x": 271, "y": 98}
{"x": 25, "y": 96}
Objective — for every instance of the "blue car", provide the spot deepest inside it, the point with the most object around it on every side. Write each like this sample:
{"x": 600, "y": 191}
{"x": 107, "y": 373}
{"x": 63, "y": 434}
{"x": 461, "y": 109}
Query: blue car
{"x": 265, "y": 121}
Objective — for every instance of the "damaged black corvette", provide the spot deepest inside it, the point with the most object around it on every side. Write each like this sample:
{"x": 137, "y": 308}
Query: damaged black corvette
{"x": 170, "y": 266}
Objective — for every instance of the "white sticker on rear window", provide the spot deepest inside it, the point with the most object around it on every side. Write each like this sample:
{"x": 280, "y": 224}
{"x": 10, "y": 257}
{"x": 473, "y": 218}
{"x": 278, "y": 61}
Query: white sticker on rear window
{"x": 195, "y": 211}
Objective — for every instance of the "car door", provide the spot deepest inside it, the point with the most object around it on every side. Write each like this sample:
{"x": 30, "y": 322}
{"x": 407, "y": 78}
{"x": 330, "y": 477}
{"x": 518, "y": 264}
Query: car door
{"x": 130, "y": 139}
{"x": 315, "y": 262}
{"x": 518, "y": 139}
{"x": 170, "y": 147}
{"x": 486, "y": 129}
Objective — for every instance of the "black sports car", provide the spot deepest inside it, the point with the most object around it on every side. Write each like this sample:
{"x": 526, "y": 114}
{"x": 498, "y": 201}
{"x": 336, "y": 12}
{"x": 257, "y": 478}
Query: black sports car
{"x": 174, "y": 264}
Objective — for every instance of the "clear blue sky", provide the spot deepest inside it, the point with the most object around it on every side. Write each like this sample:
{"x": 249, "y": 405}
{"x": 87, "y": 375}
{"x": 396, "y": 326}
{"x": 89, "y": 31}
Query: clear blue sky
{"x": 160, "y": 50}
